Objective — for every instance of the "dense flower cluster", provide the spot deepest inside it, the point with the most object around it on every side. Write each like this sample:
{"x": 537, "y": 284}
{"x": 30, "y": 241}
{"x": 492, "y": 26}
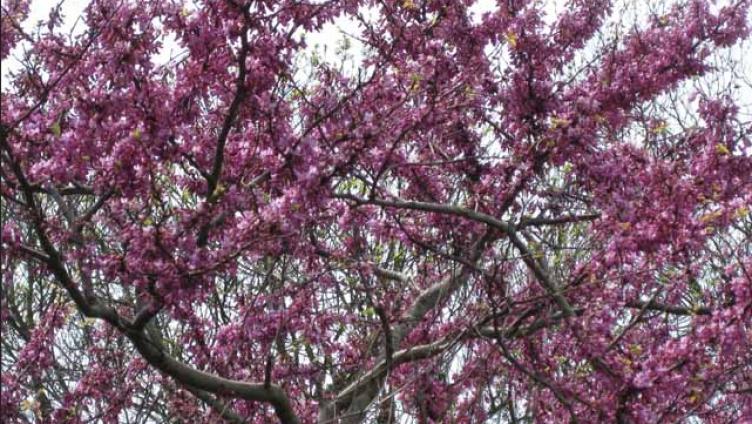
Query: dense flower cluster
{"x": 490, "y": 219}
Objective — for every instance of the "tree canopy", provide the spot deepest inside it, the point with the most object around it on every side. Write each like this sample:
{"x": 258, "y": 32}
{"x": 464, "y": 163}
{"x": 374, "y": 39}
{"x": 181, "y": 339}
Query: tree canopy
{"x": 533, "y": 212}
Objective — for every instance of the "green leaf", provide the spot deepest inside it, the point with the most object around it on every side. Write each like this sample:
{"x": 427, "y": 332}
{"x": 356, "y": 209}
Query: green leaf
{"x": 185, "y": 195}
{"x": 55, "y": 128}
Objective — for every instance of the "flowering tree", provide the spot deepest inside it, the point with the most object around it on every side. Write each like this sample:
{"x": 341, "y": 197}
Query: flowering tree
{"x": 536, "y": 214}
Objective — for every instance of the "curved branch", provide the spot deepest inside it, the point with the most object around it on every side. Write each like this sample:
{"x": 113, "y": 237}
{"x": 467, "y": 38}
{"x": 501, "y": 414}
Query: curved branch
{"x": 433, "y": 207}
{"x": 220, "y": 407}
{"x": 188, "y": 376}
{"x": 509, "y": 229}
{"x": 150, "y": 350}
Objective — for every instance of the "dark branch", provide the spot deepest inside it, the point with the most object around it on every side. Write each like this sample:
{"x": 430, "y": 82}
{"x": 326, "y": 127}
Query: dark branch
{"x": 670, "y": 309}
{"x": 566, "y": 219}
{"x": 232, "y": 113}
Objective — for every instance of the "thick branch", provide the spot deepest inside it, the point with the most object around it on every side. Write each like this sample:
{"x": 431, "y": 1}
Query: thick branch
{"x": 220, "y": 407}
{"x": 508, "y": 229}
{"x": 184, "y": 374}
{"x": 356, "y": 397}
{"x": 389, "y": 274}
{"x": 540, "y": 274}
{"x": 149, "y": 349}
{"x": 429, "y": 350}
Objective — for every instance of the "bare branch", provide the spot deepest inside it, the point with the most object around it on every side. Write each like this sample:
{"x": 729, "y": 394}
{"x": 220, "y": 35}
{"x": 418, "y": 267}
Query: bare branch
{"x": 565, "y": 219}
{"x": 670, "y": 309}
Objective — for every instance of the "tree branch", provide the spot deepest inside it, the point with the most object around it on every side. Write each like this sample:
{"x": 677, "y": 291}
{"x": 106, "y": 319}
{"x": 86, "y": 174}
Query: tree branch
{"x": 221, "y": 408}
{"x": 507, "y": 228}
{"x": 432, "y": 207}
{"x": 670, "y": 309}
{"x": 565, "y": 219}
{"x": 148, "y": 348}
{"x": 355, "y": 398}
{"x": 240, "y": 92}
